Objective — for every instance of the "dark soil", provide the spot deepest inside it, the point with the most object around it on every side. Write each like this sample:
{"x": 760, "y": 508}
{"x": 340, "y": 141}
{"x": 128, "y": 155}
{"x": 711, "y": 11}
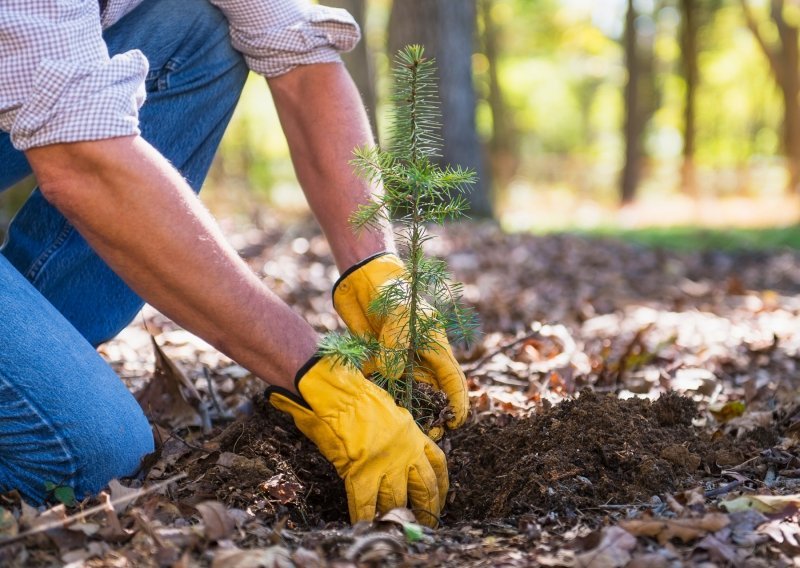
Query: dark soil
{"x": 276, "y": 472}
{"x": 584, "y": 453}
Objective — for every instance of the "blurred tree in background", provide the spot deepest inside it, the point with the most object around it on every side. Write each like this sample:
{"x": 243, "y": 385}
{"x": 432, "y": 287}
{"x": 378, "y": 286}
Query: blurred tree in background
{"x": 569, "y": 102}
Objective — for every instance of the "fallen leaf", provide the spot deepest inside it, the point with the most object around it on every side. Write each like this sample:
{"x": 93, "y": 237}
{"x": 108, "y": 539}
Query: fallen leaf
{"x": 769, "y": 504}
{"x": 170, "y": 397}
{"x": 718, "y": 547}
{"x": 119, "y": 492}
{"x": 8, "y": 524}
{"x": 750, "y": 421}
{"x": 686, "y": 530}
{"x": 281, "y": 489}
{"x": 399, "y": 516}
{"x": 307, "y": 558}
{"x": 272, "y": 557}
{"x": 217, "y": 523}
{"x": 743, "y": 527}
{"x": 61, "y": 493}
{"x": 613, "y": 551}
{"x": 782, "y": 531}
{"x": 728, "y": 411}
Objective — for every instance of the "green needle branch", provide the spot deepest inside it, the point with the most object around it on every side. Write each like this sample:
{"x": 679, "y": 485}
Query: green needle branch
{"x": 417, "y": 192}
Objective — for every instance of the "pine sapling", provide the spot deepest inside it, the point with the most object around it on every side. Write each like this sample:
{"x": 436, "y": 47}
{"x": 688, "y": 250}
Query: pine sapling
{"x": 417, "y": 192}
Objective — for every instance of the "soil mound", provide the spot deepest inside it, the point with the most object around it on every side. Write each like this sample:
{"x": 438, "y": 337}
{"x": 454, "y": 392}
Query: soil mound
{"x": 586, "y": 452}
{"x": 580, "y": 454}
{"x": 266, "y": 465}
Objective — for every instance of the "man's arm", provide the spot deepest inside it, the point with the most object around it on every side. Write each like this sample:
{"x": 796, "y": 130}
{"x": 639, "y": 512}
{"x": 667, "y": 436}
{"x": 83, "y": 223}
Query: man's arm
{"x": 324, "y": 120}
{"x": 142, "y": 218}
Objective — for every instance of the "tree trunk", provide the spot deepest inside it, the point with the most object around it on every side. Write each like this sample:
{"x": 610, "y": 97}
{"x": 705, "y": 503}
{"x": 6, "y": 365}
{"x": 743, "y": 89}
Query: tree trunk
{"x": 691, "y": 77}
{"x": 789, "y": 79}
{"x": 784, "y": 59}
{"x": 359, "y": 62}
{"x": 446, "y": 28}
{"x": 503, "y": 155}
{"x": 633, "y": 127}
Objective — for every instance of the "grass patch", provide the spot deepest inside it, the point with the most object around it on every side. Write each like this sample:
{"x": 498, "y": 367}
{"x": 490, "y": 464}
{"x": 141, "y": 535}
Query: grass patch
{"x": 694, "y": 238}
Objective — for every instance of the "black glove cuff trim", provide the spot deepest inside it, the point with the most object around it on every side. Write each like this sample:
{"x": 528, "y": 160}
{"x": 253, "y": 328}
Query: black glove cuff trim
{"x": 299, "y": 375}
{"x": 288, "y": 394}
{"x": 301, "y": 372}
{"x": 355, "y": 267}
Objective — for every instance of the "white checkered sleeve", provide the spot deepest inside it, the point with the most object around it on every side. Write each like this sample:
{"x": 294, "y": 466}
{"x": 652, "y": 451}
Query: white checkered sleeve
{"x": 57, "y": 82}
{"x": 277, "y": 36}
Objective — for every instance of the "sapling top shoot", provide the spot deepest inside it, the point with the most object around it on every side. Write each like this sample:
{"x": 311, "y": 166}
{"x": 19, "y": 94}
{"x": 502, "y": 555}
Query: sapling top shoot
{"x": 417, "y": 192}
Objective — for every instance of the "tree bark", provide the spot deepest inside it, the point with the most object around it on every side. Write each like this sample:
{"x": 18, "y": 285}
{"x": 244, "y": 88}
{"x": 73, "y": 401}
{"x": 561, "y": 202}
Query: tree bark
{"x": 633, "y": 127}
{"x": 503, "y": 145}
{"x": 691, "y": 76}
{"x": 359, "y": 62}
{"x": 784, "y": 61}
{"x": 790, "y": 88}
{"x": 446, "y": 28}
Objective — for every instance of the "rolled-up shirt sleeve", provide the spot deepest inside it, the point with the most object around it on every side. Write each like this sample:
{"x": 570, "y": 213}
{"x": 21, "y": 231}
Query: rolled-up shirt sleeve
{"x": 57, "y": 81}
{"x": 277, "y": 36}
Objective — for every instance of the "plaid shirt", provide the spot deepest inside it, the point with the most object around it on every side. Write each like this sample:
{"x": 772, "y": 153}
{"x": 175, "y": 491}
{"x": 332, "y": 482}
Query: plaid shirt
{"x": 58, "y": 83}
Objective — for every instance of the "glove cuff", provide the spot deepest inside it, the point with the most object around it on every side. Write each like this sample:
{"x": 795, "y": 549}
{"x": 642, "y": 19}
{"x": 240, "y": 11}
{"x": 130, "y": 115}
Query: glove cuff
{"x": 296, "y": 398}
{"x": 355, "y": 267}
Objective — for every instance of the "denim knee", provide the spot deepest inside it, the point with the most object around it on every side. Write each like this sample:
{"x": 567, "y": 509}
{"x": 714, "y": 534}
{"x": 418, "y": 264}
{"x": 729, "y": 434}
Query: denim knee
{"x": 83, "y": 448}
{"x": 111, "y": 449}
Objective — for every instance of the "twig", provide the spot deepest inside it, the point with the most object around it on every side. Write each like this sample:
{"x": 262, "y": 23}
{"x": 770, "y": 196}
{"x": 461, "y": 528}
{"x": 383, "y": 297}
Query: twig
{"x": 741, "y": 465}
{"x": 558, "y": 332}
{"x": 224, "y": 413}
{"x": 486, "y": 358}
{"x": 91, "y": 511}
{"x": 722, "y": 490}
{"x": 619, "y": 507}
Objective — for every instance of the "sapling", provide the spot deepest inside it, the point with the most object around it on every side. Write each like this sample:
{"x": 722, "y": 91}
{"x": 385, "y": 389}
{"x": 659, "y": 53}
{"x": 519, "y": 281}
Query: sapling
{"x": 417, "y": 192}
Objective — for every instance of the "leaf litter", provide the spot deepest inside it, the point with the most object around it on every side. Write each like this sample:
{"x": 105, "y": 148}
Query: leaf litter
{"x": 631, "y": 407}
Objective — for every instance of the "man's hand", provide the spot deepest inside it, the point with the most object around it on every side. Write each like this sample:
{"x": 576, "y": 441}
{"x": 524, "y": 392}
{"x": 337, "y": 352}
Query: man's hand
{"x": 375, "y": 446}
{"x": 352, "y": 296}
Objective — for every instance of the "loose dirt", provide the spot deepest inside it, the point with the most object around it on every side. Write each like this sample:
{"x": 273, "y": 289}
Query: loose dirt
{"x": 266, "y": 465}
{"x": 582, "y": 453}
{"x": 579, "y": 455}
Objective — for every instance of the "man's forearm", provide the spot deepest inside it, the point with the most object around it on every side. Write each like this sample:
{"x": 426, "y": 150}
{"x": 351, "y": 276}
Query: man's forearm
{"x": 324, "y": 120}
{"x": 141, "y": 217}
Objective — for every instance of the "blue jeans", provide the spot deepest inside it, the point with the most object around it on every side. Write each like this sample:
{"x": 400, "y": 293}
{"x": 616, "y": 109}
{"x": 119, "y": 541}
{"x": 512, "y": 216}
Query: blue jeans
{"x": 65, "y": 417}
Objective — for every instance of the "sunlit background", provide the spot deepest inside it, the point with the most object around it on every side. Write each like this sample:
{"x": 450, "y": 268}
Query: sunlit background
{"x": 589, "y": 115}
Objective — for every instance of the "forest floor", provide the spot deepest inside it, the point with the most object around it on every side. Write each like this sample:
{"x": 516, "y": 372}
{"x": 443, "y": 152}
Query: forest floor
{"x": 630, "y": 407}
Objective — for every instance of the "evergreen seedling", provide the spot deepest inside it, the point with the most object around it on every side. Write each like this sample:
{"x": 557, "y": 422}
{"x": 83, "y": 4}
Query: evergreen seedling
{"x": 417, "y": 192}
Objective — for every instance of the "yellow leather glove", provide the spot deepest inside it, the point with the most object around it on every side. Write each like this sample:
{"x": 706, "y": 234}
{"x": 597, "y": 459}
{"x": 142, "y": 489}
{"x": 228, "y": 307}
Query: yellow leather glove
{"x": 384, "y": 459}
{"x": 352, "y": 295}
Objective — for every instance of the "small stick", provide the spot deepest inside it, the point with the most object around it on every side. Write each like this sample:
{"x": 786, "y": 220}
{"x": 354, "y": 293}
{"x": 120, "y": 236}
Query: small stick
{"x": 741, "y": 465}
{"x": 722, "y": 490}
{"x": 486, "y": 358}
{"x": 91, "y": 511}
{"x": 224, "y": 413}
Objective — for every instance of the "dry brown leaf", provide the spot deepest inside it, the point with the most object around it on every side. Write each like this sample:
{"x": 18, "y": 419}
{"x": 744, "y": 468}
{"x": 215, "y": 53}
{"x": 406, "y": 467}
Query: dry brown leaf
{"x": 718, "y": 547}
{"x": 283, "y": 490}
{"x": 769, "y": 504}
{"x": 782, "y": 531}
{"x": 399, "y": 516}
{"x": 272, "y": 557}
{"x": 613, "y": 551}
{"x": 725, "y": 412}
{"x": 686, "y": 530}
{"x": 750, "y": 421}
{"x": 169, "y": 396}
{"x": 118, "y": 494}
{"x": 8, "y": 524}
{"x": 217, "y": 523}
